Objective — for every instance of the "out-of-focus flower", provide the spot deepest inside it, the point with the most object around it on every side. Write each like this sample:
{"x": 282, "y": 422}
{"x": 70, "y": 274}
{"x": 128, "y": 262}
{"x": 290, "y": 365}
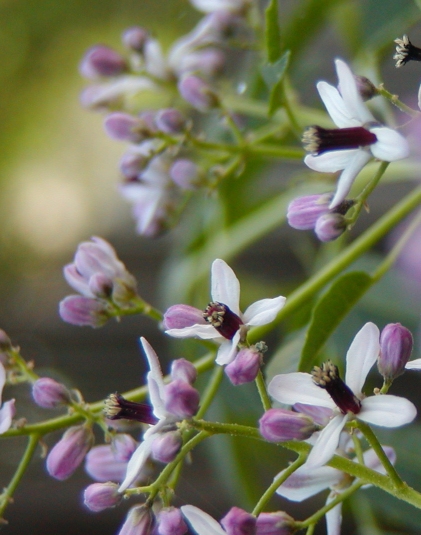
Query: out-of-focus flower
{"x": 209, "y": 6}
{"x": 198, "y": 93}
{"x": 222, "y": 320}
{"x": 7, "y": 410}
{"x": 186, "y": 174}
{"x": 102, "y": 61}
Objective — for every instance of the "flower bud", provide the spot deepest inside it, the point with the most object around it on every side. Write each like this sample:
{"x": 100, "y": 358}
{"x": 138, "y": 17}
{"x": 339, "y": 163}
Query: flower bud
{"x": 100, "y": 496}
{"x": 239, "y": 522}
{"x": 139, "y": 521}
{"x": 132, "y": 164}
{"x": 303, "y": 212}
{"x": 395, "y": 349}
{"x": 279, "y": 523}
{"x": 102, "y": 61}
{"x": 184, "y": 370}
{"x": 329, "y": 227}
{"x": 69, "y": 452}
{"x": 166, "y": 446}
{"x": 125, "y": 127}
{"x": 186, "y": 174}
{"x": 245, "y": 367}
{"x": 105, "y": 463}
{"x": 134, "y": 38}
{"x": 101, "y": 286}
{"x": 280, "y": 425}
{"x": 209, "y": 62}
{"x": 80, "y": 310}
{"x": 365, "y": 87}
{"x": 180, "y": 316}
{"x": 181, "y": 399}
{"x": 170, "y": 121}
{"x": 123, "y": 446}
{"x": 48, "y": 393}
{"x": 197, "y": 93}
{"x": 170, "y": 522}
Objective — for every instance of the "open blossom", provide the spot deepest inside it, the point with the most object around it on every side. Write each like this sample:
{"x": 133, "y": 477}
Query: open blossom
{"x": 358, "y": 138}
{"x": 7, "y": 410}
{"x": 324, "y": 388}
{"x": 222, "y": 320}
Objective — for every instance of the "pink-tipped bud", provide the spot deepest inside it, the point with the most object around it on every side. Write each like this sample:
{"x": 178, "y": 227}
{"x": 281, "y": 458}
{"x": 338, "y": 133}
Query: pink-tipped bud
{"x": 69, "y": 452}
{"x": 198, "y": 93}
{"x": 125, "y": 127}
{"x": 48, "y": 393}
{"x": 186, "y": 174}
{"x": 330, "y": 226}
{"x": 180, "y": 316}
{"x": 170, "y": 121}
{"x": 279, "y": 523}
{"x": 170, "y": 522}
{"x": 181, "y": 399}
{"x": 139, "y": 521}
{"x": 280, "y": 425}
{"x": 80, "y": 310}
{"x": 166, "y": 446}
{"x": 100, "y": 496}
{"x": 102, "y": 61}
{"x": 239, "y": 522}
{"x": 245, "y": 367}
{"x": 134, "y": 38}
{"x": 395, "y": 350}
{"x": 184, "y": 370}
{"x": 303, "y": 212}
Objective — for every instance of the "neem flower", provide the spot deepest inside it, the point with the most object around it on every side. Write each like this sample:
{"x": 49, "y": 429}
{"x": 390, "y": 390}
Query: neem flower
{"x": 324, "y": 388}
{"x": 222, "y": 320}
{"x": 357, "y": 139}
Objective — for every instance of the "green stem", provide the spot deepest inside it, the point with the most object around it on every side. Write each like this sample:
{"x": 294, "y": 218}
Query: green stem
{"x": 138, "y": 306}
{"x": 263, "y": 393}
{"x": 211, "y": 390}
{"x": 393, "y": 99}
{"x": 8, "y": 492}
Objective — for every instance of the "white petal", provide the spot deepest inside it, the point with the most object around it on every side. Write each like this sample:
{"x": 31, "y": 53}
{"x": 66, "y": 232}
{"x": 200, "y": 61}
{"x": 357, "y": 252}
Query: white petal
{"x": 335, "y": 105}
{"x": 334, "y": 516}
{"x": 228, "y": 350}
{"x": 225, "y": 286}
{"x": 137, "y": 461}
{"x": 387, "y": 411}
{"x": 6, "y": 415}
{"x": 390, "y": 145}
{"x": 413, "y": 364}
{"x": 206, "y": 332}
{"x": 2, "y": 379}
{"x": 263, "y": 311}
{"x": 361, "y": 356}
{"x": 156, "y": 396}
{"x": 153, "y": 361}
{"x": 330, "y": 162}
{"x": 350, "y": 94}
{"x": 201, "y": 522}
{"x": 327, "y": 442}
{"x": 372, "y": 461}
{"x": 359, "y": 159}
{"x": 299, "y": 387}
{"x": 305, "y": 482}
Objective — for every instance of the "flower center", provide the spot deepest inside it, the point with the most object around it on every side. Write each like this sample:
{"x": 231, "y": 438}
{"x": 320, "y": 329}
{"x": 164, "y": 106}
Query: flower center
{"x": 327, "y": 377}
{"x": 117, "y": 408}
{"x": 318, "y": 140}
{"x": 223, "y": 319}
{"x": 406, "y": 51}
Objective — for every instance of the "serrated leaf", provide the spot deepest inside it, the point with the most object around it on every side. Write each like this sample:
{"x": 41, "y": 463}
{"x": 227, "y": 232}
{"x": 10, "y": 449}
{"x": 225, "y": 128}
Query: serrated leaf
{"x": 273, "y": 74}
{"x": 272, "y": 33}
{"x": 329, "y": 312}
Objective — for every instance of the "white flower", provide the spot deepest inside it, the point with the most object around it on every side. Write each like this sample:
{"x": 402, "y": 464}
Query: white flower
{"x": 209, "y": 6}
{"x": 201, "y": 522}
{"x": 347, "y": 110}
{"x": 383, "y": 410}
{"x": 306, "y": 482}
{"x": 7, "y": 410}
{"x": 225, "y": 324}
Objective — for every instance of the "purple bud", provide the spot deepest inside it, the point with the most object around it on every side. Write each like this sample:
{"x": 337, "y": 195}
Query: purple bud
{"x": 100, "y": 496}
{"x": 245, "y": 367}
{"x": 102, "y": 61}
{"x": 170, "y": 121}
{"x": 303, "y": 212}
{"x": 181, "y": 399}
{"x": 180, "y": 316}
{"x": 109, "y": 461}
{"x": 125, "y": 127}
{"x": 134, "y": 38}
{"x": 139, "y": 521}
{"x": 330, "y": 226}
{"x": 279, "y": 523}
{"x": 69, "y": 452}
{"x": 124, "y": 446}
{"x": 80, "y": 310}
{"x": 365, "y": 87}
{"x": 48, "y": 393}
{"x": 239, "y": 522}
{"x": 395, "y": 349}
{"x": 170, "y": 522}
{"x": 186, "y": 174}
{"x": 280, "y": 425}
{"x": 166, "y": 446}
{"x": 184, "y": 370}
{"x": 197, "y": 93}
{"x": 132, "y": 164}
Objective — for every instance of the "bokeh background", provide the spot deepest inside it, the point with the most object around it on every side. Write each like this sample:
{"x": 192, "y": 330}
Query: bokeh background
{"x": 58, "y": 182}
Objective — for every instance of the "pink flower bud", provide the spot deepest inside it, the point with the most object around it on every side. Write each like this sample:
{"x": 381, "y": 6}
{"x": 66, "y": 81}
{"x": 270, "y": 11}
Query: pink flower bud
{"x": 123, "y": 446}
{"x": 279, "y": 523}
{"x": 330, "y": 226}
{"x": 102, "y": 464}
{"x": 184, "y": 370}
{"x": 80, "y": 310}
{"x": 166, "y": 446}
{"x": 197, "y": 93}
{"x": 132, "y": 164}
{"x": 48, "y": 393}
{"x": 303, "y": 212}
{"x": 69, "y": 452}
{"x": 102, "y": 61}
{"x": 395, "y": 349}
{"x": 135, "y": 38}
{"x": 125, "y": 127}
{"x": 180, "y": 316}
{"x": 186, "y": 174}
{"x": 239, "y": 522}
{"x": 170, "y": 522}
{"x": 280, "y": 425}
{"x": 100, "y": 496}
{"x": 181, "y": 399}
{"x": 245, "y": 367}
{"x": 139, "y": 521}
{"x": 170, "y": 121}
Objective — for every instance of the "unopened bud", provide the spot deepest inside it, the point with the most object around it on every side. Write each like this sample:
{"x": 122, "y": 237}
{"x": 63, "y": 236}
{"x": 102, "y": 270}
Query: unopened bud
{"x": 100, "y": 496}
{"x": 135, "y": 38}
{"x": 245, "y": 367}
{"x": 184, "y": 370}
{"x": 139, "y": 521}
{"x": 330, "y": 226}
{"x": 80, "y": 310}
{"x": 170, "y": 522}
{"x": 125, "y": 127}
{"x": 170, "y": 121}
{"x": 280, "y": 425}
{"x": 198, "y": 93}
{"x": 395, "y": 349}
{"x": 102, "y": 61}
{"x": 303, "y": 212}
{"x": 166, "y": 446}
{"x": 181, "y": 399}
{"x": 239, "y": 522}
{"x": 48, "y": 393}
{"x": 69, "y": 452}
{"x": 279, "y": 523}
{"x": 180, "y": 316}
{"x": 186, "y": 174}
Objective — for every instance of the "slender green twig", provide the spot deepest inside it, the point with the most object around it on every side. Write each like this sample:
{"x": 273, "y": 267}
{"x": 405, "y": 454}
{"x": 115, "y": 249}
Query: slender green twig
{"x": 263, "y": 393}
{"x": 394, "y": 99}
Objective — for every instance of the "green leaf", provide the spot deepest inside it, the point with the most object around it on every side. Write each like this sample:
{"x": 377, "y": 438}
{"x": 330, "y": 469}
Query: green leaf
{"x": 332, "y": 307}
{"x": 272, "y": 33}
{"x": 273, "y": 74}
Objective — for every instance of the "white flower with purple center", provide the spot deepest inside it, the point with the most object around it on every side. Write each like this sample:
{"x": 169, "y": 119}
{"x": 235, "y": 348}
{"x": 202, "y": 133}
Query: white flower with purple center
{"x": 358, "y": 138}
{"x": 324, "y": 388}
{"x": 222, "y": 320}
